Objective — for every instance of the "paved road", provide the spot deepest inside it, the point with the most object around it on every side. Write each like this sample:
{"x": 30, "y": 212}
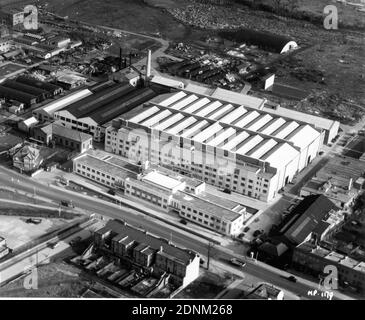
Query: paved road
{"x": 260, "y": 270}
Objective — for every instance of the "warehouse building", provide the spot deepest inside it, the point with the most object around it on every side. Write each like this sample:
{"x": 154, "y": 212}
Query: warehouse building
{"x": 52, "y": 89}
{"x": 62, "y": 136}
{"x": 149, "y": 252}
{"x": 46, "y": 112}
{"x": 231, "y": 146}
{"x": 40, "y": 94}
{"x": 338, "y": 180}
{"x": 17, "y": 95}
{"x": 93, "y": 113}
{"x": 330, "y": 127}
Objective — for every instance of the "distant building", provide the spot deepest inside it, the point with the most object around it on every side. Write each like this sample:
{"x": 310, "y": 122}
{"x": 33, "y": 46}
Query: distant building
{"x": 149, "y": 252}
{"x": 12, "y": 17}
{"x": 265, "y": 291}
{"x": 52, "y": 89}
{"x": 5, "y": 45}
{"x": 63, "y": 136}
{"x": 46, "y": 112}
{"x": 4, "y": 250}
{"x": 93, "y": 113}
{"x": 311, "y": 258}
{"x": 27, "y": 124}
{"x": 338, "y": 180}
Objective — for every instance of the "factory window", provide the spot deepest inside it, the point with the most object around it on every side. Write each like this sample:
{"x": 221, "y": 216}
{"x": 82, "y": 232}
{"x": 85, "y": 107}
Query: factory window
{"x": 250, "y": 181}
{"x": 264, "y": 191}
{"x": 265, "y": 185}
{"x": 243, "y": 179}
{"x": 200, "y": 220}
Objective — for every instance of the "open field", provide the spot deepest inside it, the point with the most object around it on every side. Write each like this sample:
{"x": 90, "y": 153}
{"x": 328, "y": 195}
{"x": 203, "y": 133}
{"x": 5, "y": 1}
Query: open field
{"x": 17, "y": 232}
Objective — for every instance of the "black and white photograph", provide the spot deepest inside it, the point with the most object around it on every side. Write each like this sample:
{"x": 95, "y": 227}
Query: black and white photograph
{"x": 179, "y": 156}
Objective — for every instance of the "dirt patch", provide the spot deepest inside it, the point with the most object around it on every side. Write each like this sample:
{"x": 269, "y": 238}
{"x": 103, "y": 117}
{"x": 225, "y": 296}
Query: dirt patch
{"x": 207, "y": 286}
{"x": 55, "y": 280}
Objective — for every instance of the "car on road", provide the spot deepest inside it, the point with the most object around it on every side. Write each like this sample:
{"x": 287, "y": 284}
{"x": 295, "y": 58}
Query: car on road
{"x": 183, "y": 221}
{"x": 67, "y": 203}
{"x": 238, "y": 262}
{"x": 53, "y": 245}
{"x": 111, "y": 192}
{"x": 292, "y": 279}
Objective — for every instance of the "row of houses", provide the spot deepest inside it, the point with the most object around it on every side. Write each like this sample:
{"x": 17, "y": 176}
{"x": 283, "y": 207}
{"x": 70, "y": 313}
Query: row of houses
{"x": 148, "y": 252}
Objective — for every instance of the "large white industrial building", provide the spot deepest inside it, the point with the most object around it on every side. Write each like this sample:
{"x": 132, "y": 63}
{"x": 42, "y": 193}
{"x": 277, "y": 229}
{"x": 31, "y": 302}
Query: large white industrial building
{"x": 243, "y": 148}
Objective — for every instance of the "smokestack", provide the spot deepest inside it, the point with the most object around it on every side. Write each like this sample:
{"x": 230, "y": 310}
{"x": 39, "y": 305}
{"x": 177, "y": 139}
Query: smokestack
{"x": 148, "y": 67}
{"x": 120, "y": 58}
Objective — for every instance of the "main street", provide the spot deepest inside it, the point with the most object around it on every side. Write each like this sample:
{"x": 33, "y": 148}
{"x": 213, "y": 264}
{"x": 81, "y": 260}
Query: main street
{"x": 13, "y": 179}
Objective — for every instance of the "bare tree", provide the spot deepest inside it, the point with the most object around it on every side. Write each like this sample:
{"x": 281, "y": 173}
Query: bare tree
{"x": 292, "y": 5}
{"x": 278, "y": 5}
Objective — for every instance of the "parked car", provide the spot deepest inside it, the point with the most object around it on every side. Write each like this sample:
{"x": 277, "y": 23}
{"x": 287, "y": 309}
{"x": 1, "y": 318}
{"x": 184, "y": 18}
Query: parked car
{"x": 238, "y": 262}
{"x": 183, "y": 221}
{"x": 292, "y": 279}
{"x": 111, "y": 192}
{"x": 33, "y": 220}
{"x": 67, "y": 203}
{"x": 226, "y": 190}
{"x": 53, "y": 244}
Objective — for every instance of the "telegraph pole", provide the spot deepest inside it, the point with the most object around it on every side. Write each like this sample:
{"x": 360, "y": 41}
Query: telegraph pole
{"x": 210, "y": 245}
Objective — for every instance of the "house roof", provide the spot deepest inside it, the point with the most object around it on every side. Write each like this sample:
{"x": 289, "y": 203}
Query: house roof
{"x": 154, "y": 243}
{"x": 307, "y": 217}
{"x": 272, "y": 249}
{"x": 60, "y": 130}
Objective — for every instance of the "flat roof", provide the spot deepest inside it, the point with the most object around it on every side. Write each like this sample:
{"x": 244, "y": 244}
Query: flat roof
{"x": 108, "y": 163}
{"x": 161, "y": 180}
{"x": 204, "y": 205}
